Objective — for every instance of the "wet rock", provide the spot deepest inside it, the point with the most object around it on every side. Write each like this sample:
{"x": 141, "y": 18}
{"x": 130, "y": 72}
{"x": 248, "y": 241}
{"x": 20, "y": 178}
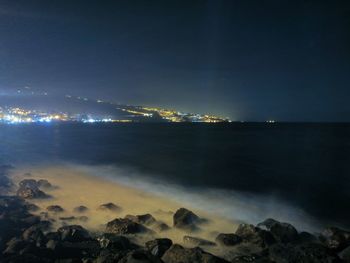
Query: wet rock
{"x": 139, "y": 256}
{"x": 196, "y": 241}
{"x": 159, "y": 246}
{"x": 110, "y": 207}
{"x": 73, "y": 233}
{"x": 14, "y": 246}
{"x": 228, "y": 239}
{"x": 115, "y": 242}
{"x": 28, "y": 183}
{"x": 126, "y": 226}
{"x": 31, "y": 193}
{"x": 80, "y": 209}
{"x": 345, "y": 254}
{"x": 146, "y": 219}
{"x": 160, "y": 227}
{"x": 55, "y": 209}
{"x": 282, "y": 232}
{"x": 305, "y": 237}
{"x": 42, "y": 183}
{"x": 303, "y": 253}
{"x": 255, "y": 235}
{"x": 33, "y": 234}
{"x": 185, "y": 219}
{"x": 335, "y": 238}
{"x": 32, "y": 207}
{"x": 177, "y": 254}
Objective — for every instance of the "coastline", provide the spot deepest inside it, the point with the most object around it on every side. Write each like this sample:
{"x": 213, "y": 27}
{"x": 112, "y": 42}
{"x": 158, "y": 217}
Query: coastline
{"x": 58, "y": 214}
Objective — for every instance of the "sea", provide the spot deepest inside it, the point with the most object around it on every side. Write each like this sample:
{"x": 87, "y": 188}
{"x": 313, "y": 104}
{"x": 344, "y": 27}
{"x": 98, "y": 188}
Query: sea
{"x": 294, "y": 172}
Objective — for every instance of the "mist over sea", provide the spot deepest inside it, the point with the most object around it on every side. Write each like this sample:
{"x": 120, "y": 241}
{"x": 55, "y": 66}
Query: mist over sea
{"x": 248, "y": 171}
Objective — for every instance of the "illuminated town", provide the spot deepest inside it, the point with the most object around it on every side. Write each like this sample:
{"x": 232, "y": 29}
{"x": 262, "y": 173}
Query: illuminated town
{"x": 16, "y": 115}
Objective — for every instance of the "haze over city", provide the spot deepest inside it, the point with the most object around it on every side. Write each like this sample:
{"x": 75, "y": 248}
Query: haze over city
{"x": 280, "y": 60}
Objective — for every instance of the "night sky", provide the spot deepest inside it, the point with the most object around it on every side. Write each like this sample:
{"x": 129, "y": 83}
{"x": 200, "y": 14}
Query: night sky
{"x": 247, "y": 60}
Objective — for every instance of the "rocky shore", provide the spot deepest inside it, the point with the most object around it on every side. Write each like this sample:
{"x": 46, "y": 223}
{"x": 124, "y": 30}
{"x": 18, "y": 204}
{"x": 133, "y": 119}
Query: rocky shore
{"x": 30, "y": 234}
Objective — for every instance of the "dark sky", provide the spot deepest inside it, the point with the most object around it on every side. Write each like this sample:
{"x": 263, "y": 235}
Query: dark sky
{"x": 248, "y": 60}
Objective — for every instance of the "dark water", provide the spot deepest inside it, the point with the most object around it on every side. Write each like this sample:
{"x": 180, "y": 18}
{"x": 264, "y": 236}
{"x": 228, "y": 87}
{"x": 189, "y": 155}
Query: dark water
{"x": 306, "y": 165}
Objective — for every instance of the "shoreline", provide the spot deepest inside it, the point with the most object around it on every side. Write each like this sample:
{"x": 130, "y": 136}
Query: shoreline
{"x": 58, "y": 213}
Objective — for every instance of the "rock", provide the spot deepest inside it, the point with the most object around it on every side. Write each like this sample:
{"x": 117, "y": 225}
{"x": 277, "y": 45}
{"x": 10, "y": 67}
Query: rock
{"x": 185, "y": 219}
{"x": 159, "y": 246}
{"x": 73, "y": 233}
{"x": 282, "y": 232}
{"x": 110, "y": 207}
{"x": 139, "y": 256}
{"x": 44, "y": 183}
{"x": 196, "y": 241}
{"x": 28, "y": 183}
{"x": 305, "y": 237}
{"x": 345, "y": 255}
{"x": 14, "y": 246}
{"x": 52, "y": 244}
{"x": 55, "y": 209}
{"x": 115, "y": 242}
{"x": 146, "y": 219}
{"x": 31, "y": 193}
{"x": 33, "y": 233}
{"x": 335, "y": 238}
{"x": 32, "y": 207}
{"x": 160, "y": 227}
{"x": 228, "y": 239}
{"x": 80, "y": 209}
{"x": 126, "y": 226}
{"x": 179, "y": 254}
{"x": 255, "y": 235}
{"x": 303, "y": 253}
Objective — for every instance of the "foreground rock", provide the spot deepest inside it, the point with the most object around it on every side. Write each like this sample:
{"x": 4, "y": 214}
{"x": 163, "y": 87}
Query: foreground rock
{"x": 109, "y": 207}
{"x": 186, "y": 219}
{"x": 335, "y": 238}
{"x": 255, "y": 235}
{"x": 179, "y": 254}
{"x": 55, "y": 209}
{"x": 159, "y": 246}
{"x": 126, "y": 226}
{"x": 80, "y": 209}
{"x": 282, "y": 232}
{"x": 228, "y": 239}
{"x": 146, "y": 219}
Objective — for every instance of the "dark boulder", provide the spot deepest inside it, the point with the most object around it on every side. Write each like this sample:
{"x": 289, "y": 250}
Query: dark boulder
{"x": 196, "y": 241}
{"x": 146, "y": 219}
{"x": 32, "y": 207}
{"x": 303, "y": 253}
{"x": 179, "y": 254}
{"x": 345, "y": 254}
{"x": 228, "y": 239}
{"x": 185, "y": 219}
{"x": 80, "y": 209}
{"x": 126, "y": 226}
{"x": 139, "y": 256}
{"x": 159, "y": 246}
{"x": 33, "y": 234}
{"x": 42, "y": 183}
{"x": 115, "y": 242}
{"x": 255, "y": 235}
{"x": 160, "y": 227}
{"x": 55, "y": 209}
{"x": 28, "y": 183}
{"x": 73, "y": 233}
{"x": 335, "y": 238}
{"x": 110, "y": 207}
{"x": 68, "y": 218}
{"x": 282, "y": 232}
{"x": 31, "y": 193}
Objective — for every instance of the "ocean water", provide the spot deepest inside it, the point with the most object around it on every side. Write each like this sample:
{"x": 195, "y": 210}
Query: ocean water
{"x": 249, "y": 171}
